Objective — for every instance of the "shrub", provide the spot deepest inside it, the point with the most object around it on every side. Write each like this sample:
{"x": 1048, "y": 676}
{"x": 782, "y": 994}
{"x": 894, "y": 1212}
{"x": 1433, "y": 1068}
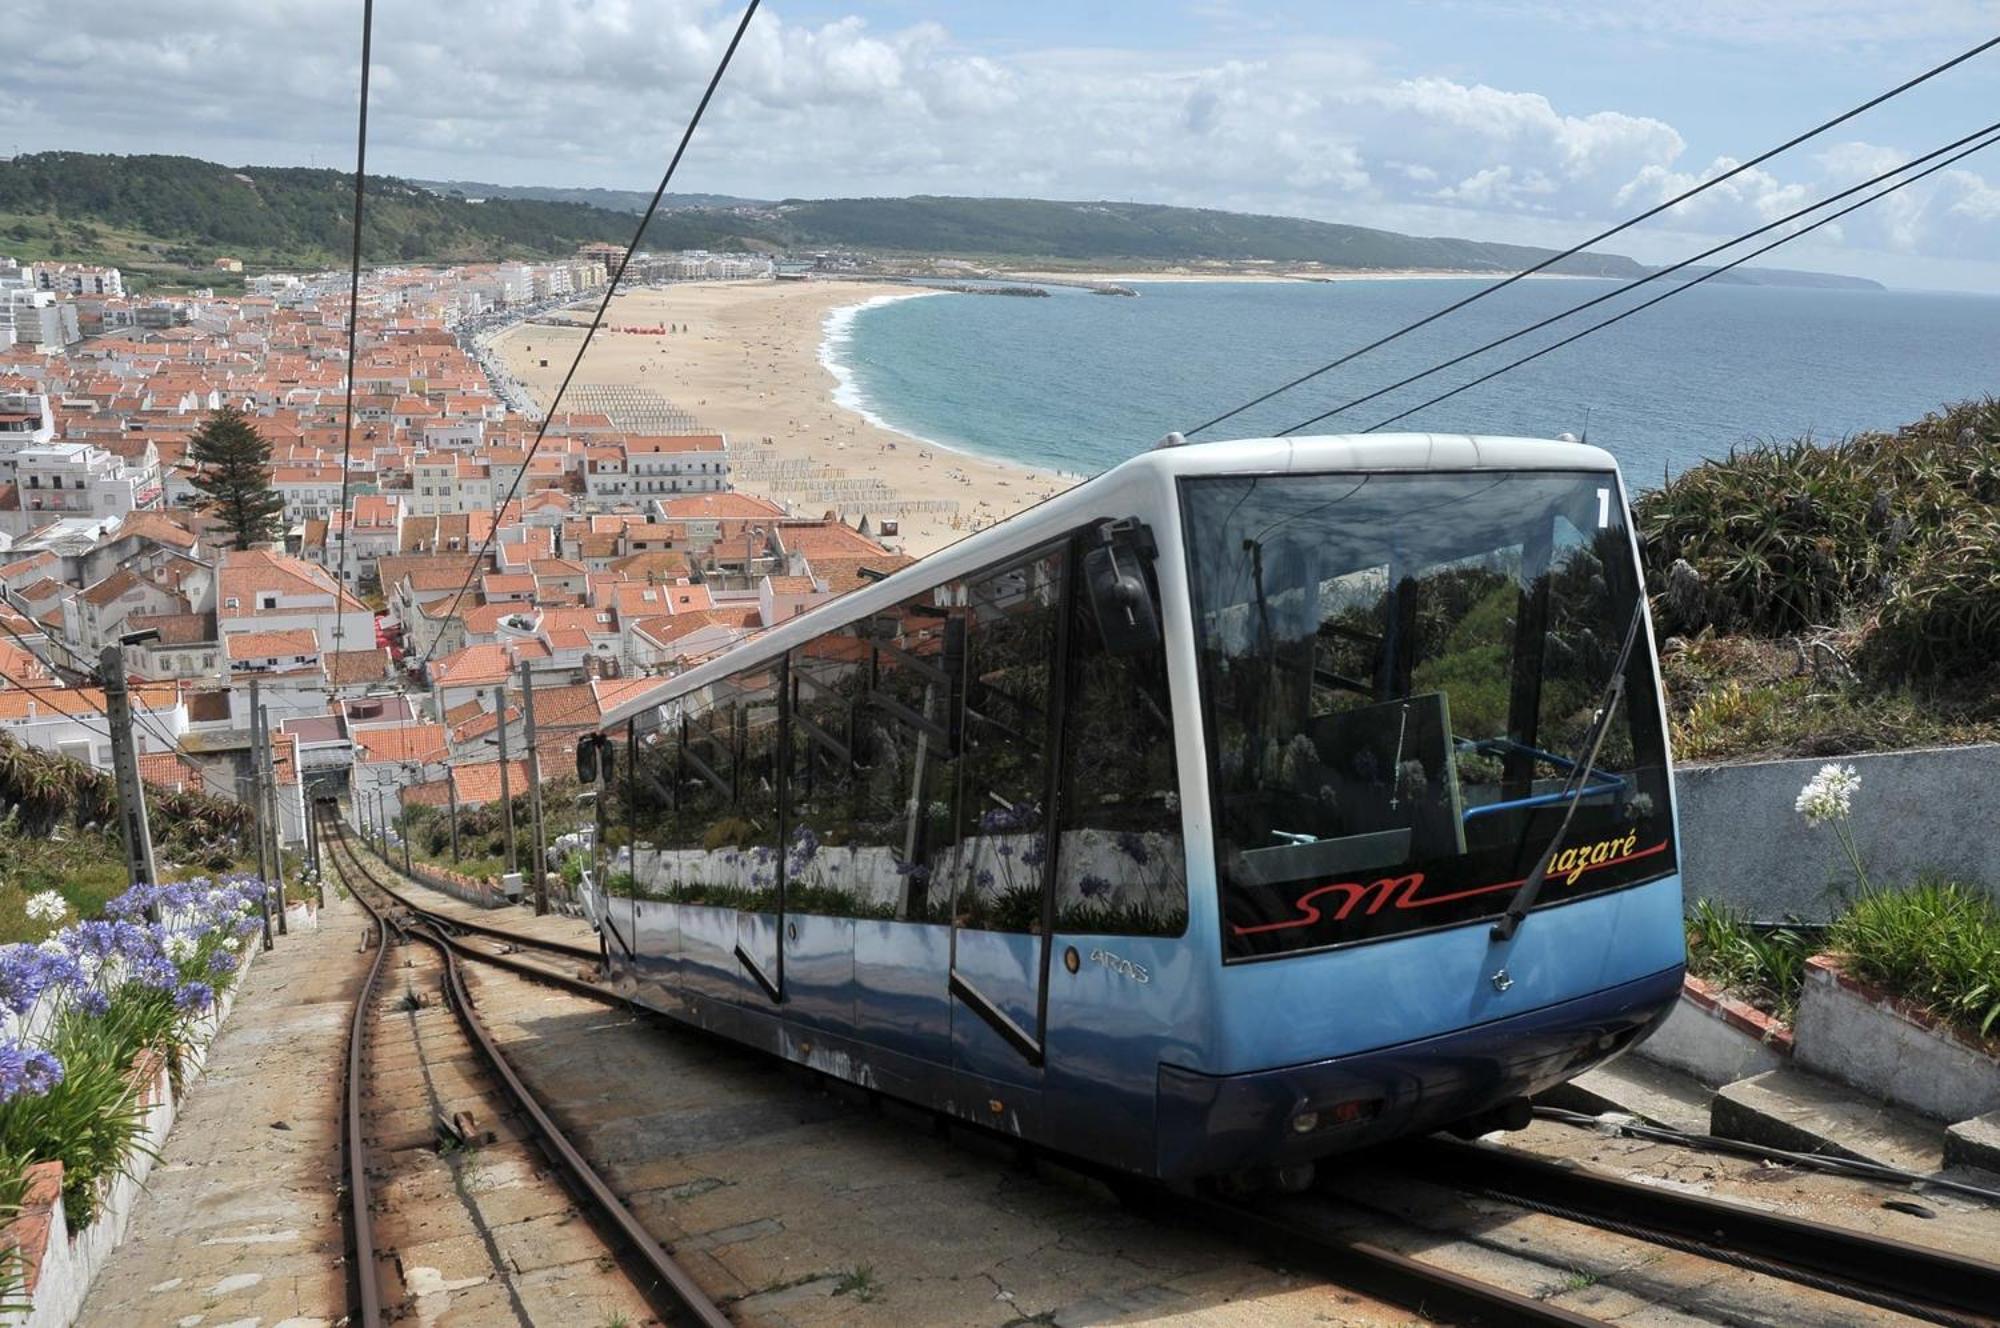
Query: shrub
{"x": 1780, "y": 537}
{"x": 1766, "y": 968}
{"x": 1937, "y": 943}
{"x": 1941, "y": 618}
{"x": 91, "y": 1121}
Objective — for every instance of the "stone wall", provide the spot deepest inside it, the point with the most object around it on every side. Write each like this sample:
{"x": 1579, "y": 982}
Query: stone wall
{"x": 1927, "y": 810}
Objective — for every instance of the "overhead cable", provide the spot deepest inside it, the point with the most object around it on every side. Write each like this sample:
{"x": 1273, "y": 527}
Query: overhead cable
{"x": 353, "y": 320}
{"x": 1601, "y": 236}
{"x": 603, "y": 306}
{"x": 1689, "y": 285}
{"x": 1648, "y": 279}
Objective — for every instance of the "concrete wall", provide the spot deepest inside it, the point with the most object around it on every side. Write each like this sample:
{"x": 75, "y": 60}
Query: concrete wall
{"x": 1917, "y": 811}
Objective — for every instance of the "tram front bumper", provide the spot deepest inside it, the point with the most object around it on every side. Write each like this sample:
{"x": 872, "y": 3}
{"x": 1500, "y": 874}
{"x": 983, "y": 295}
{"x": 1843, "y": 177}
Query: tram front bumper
{"x": 1211, "y": 1125}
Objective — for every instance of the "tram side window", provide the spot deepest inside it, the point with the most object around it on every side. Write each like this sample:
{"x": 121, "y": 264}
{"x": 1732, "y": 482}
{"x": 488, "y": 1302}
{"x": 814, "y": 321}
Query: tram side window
{"x": 907, "y": 743}
{"x": 705, "y": 844}
{"x": 1010, "y": 620}
{"x": 1121, "y": 868}
{"x": 750, "y": 882}
{"x": 638, "y": 822}
{"x": 838, "y": 862}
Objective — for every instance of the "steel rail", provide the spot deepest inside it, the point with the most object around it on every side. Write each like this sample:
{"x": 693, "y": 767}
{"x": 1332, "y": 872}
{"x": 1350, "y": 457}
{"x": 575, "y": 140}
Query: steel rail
{"x": 499, "y": 934}
{"x": 1880, "y": 1270}
{"x": 362, "y": 1220}
{"x": 688, "y": 1303}
{"x": 1375, "y": 1270}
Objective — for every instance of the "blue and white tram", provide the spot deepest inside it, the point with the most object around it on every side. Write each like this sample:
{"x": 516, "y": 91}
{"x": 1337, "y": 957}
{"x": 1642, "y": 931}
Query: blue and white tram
{"x": 1168, "y": 824}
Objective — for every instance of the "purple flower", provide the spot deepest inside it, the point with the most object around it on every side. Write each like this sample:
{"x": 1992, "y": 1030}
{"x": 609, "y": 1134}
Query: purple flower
{"x": 248, "y": 923}
{"x": 157, "y": 972}
{"x": 1005, "y": 850}
{"x": 23, "y": 976}
{"x": 984, "y": 880}
{"x": 93, "y": 1002}
{"x": 194, "y": 998}
{"x": 1036, "y": 853}
{"x": 41, "y": 1071}
{"x": 221, "y": 963}
{"x": 1133, "y": 846}
{"x": 27, "y": 1070}
{"x": 1093, "y": 886}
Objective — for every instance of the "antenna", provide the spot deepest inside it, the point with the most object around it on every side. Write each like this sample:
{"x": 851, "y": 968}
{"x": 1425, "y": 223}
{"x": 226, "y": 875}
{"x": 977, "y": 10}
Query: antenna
{"x": 1586, "y": 424}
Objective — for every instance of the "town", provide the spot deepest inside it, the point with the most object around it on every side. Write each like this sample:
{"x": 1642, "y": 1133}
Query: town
{"x": 467, "y": 548}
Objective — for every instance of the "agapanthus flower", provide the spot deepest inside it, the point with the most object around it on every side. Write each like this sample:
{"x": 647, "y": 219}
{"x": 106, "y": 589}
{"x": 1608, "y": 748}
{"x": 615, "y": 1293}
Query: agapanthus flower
{"x": 27, "y": 1070}
{"x": 194, "y": 998}
{"x": 222, "y": 962}
{"x": 47, "y": 906}
{"x": 1093, "y": 886}
{"x": 93, "y": 1002}
{"x": 23, "y": 976}
{"x": 179, "y": 948}
{"x": 1829, "y": 795}
{"x": 1133, "y": 846}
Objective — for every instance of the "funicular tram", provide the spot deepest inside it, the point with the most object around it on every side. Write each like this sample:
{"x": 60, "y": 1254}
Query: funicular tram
{"x": 1249, "y": 803}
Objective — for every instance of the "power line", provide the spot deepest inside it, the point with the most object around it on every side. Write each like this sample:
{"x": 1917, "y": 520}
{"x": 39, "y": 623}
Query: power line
{"x": 1667, "y": 295}
{"x": 353, "y": 317}
{"x": 1601, "y": 236}
{"x": 1649, "y": 278}
{"x": 62, "y": 691}
{"x": 604, "y": 305}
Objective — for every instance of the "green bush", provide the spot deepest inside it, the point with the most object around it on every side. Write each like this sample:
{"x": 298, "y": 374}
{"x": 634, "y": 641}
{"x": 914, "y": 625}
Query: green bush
{"x": 1937, "y": 943}
{"x": 91, "y": 1121}
{"x": 1941, "y": 617}
{"x": 1766, "y": 968}
{"x": 1781, "y": 537}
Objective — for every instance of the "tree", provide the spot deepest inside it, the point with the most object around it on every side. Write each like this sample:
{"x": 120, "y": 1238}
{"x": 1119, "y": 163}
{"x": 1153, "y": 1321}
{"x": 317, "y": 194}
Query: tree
{"x": 233, "y": 473}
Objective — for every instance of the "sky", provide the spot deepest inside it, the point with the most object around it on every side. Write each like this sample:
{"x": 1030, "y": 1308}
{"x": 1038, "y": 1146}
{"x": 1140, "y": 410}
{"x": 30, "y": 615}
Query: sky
{"x": 1535, "y": 121}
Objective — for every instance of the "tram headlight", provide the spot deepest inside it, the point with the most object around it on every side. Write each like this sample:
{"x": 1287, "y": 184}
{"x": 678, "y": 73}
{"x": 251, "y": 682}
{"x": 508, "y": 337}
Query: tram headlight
{"x": 1305, "y": 1122}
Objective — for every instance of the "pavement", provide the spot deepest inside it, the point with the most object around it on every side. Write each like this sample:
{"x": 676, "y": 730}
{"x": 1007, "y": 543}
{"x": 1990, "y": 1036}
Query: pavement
{"x": 240, "y": 1222}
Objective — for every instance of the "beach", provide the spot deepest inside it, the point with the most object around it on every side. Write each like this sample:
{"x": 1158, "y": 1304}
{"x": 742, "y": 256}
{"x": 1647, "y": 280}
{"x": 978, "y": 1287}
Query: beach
{"x": 749, "y": 365}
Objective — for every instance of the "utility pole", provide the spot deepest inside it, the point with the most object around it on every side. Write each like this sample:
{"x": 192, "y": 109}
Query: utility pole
{"x": 451, "y": 796}
{"x": 267, "y": 802}
{"x": 408, "y": 870}
{"x": 138, "y": 835}
{"x": 312, "y": 844}
{"x": 506, "y": 788}
{"x": 540, "y": 844}
{"x": 382, "y": 822}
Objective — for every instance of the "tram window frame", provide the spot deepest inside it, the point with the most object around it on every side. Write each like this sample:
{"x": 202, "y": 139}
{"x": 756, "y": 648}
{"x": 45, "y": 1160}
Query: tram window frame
{"x": 978, "y": 819}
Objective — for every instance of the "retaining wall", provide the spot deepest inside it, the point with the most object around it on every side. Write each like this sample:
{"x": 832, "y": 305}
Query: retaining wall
{"x": 1930, "y": 809}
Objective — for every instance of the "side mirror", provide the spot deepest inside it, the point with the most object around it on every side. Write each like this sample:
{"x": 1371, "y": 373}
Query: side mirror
{"x": 1121, "y": 596}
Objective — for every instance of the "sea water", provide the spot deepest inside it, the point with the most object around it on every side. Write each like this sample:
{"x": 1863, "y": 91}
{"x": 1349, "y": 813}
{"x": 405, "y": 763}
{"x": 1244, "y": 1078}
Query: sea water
{"x": 1080, "y": 381}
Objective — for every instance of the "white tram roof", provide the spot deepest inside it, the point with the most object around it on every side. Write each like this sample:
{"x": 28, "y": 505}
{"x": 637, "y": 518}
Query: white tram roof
{"x": 1160, "y": 466}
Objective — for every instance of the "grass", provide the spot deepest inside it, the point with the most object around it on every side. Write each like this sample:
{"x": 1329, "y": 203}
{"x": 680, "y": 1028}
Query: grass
{"x": 1766, "y": 968}
{"x": 1740, "y": 699}
{"x": 1936, "y": 943}
{"x": 859, "y": 1283}
{"x": 87, "y": 868}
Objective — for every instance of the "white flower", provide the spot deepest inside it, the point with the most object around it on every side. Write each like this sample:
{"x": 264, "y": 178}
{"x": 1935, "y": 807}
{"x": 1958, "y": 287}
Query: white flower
{"x": 179, "y": 948}
{"x": 231, "y": 944}
{"x": 48, "y": 906}
{"x": 1829, "y": 795}
{"x": 53, "y": 948}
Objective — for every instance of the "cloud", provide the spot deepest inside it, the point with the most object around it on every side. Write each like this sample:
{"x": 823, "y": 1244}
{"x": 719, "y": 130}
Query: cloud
{"x": 563, "y": 92}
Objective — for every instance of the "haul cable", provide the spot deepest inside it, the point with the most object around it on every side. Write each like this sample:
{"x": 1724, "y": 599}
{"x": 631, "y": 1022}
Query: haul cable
{"x": 1879, "y": 1270}
{"x": 1601, "y": 236}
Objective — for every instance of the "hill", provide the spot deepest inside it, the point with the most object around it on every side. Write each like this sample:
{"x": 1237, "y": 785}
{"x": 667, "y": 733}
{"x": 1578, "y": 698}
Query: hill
{"x": 162, "y": 216}
{"x": 617, "y": 200}
{"x": 168, "y": 218}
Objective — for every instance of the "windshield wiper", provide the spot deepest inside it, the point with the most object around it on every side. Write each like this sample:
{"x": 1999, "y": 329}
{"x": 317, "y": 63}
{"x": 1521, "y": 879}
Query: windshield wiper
{"x": 1579, "y": 778}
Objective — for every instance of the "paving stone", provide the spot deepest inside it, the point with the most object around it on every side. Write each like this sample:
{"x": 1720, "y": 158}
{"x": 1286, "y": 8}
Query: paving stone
{"x": 1974, "y": 1143}
{"x": 1637, "y": 1087}
{"x": 1803, "y": 1113}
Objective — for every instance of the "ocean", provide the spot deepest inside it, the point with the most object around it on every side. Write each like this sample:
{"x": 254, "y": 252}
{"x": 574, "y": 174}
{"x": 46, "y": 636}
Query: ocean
{"x": 1081, "y": 381}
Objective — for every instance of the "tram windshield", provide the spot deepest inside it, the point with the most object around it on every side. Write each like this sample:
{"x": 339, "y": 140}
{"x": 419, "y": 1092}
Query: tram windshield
{"x": 1398, "y": 674}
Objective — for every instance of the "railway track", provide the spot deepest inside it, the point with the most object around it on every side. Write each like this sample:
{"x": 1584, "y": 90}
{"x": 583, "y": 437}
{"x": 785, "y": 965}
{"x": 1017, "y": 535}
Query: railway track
{"x": 449, "y": 1152}
{"x": 1320, "y": 1233}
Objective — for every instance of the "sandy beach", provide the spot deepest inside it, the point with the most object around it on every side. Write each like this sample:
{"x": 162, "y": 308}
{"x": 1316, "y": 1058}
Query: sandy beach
{"x": 748, "y": 365}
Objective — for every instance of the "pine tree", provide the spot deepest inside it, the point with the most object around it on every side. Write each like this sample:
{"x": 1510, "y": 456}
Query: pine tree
{"x": 233, "y": 473}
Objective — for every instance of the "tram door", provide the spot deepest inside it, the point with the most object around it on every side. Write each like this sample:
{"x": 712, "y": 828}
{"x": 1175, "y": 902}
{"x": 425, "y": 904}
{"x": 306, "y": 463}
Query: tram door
{"x": 999, "y": 967}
